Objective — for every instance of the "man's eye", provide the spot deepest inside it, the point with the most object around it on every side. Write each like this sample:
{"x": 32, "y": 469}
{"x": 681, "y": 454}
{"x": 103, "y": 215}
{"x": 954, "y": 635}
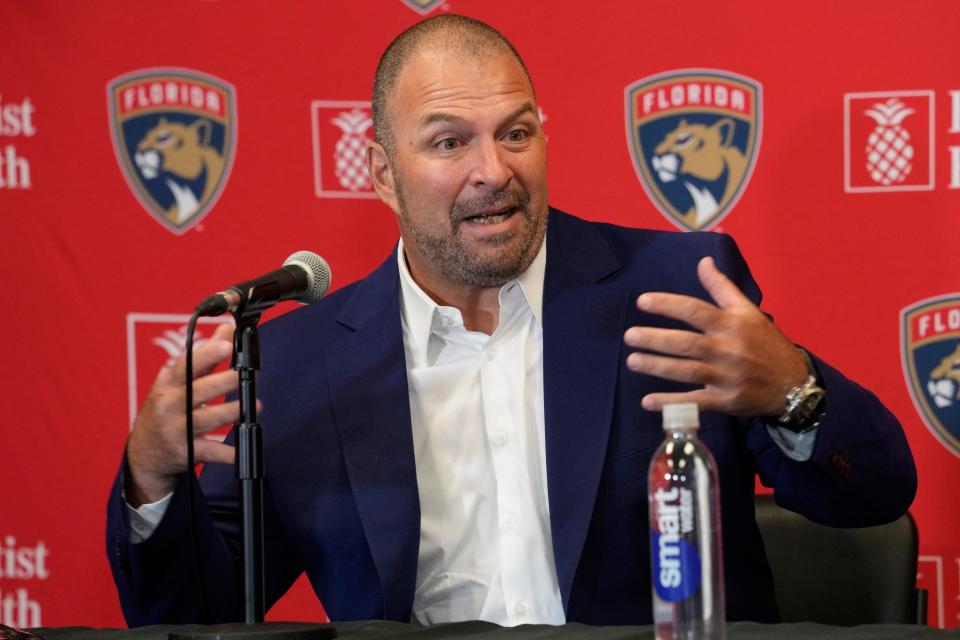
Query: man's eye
{"x": 517, "y": 135}
{"x": 448, "y": 144}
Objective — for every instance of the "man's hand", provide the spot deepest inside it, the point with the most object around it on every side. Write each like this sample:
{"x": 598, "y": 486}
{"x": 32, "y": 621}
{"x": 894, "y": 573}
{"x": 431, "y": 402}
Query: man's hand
{"x": 746, "y": 366}
{"x": 157, "y": 447}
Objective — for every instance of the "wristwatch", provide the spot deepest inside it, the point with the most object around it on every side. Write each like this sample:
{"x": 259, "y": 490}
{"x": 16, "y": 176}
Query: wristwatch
{"x": 805, "y": 403}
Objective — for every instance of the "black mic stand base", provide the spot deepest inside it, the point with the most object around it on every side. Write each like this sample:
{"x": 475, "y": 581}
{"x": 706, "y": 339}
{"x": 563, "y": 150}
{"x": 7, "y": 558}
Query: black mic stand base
{"x": 256, "y": 631}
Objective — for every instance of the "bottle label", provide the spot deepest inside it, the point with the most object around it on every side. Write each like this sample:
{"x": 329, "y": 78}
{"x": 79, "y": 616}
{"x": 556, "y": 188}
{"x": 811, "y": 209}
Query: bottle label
{"x": 676, "y": 564}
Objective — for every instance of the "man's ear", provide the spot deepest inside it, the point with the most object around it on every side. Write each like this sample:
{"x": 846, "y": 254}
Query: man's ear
{"x": 381, "y": 174}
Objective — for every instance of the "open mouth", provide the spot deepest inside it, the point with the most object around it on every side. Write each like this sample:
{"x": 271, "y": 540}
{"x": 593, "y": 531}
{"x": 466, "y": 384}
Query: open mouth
{"x": 492, "y": 217}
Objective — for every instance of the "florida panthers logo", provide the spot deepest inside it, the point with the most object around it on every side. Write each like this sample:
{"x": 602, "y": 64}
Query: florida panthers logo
{"x": 174, "y": 133}
{"x": 694, "y": 136}
{"x": 930, "y": 332}
{"x": 943, "y": 387}
{"x": 423, "y": 6}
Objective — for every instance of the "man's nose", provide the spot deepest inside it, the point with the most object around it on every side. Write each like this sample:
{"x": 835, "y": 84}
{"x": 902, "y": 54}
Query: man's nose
{"x": 490, "y": 170}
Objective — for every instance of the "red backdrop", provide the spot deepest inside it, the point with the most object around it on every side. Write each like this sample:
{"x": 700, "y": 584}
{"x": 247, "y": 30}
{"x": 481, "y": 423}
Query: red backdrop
{"x": 98, "y": 281}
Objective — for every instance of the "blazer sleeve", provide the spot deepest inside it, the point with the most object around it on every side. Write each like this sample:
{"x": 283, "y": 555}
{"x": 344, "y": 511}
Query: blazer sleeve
{"x": 861, "y": 472}
{"x": 155, "y": 579}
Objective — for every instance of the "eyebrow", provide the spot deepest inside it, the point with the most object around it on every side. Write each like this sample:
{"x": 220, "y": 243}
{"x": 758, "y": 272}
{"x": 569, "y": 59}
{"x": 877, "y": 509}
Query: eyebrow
{"x": 440, "y": 116}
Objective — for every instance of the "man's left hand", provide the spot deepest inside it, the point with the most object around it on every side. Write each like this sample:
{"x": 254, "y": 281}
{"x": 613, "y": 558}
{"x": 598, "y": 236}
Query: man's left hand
{"x": 744, "y": 363}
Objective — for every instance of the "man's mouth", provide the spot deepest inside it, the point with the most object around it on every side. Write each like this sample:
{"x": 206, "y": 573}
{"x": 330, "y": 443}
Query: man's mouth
{"x": 492, "y": 217}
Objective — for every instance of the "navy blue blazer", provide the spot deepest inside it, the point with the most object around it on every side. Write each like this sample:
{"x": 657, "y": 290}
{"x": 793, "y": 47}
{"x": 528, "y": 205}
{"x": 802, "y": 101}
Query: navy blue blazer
{"x": 341, "y": 489}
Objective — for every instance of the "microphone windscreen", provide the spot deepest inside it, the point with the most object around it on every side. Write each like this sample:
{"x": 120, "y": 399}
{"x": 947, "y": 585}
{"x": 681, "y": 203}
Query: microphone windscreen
{"x": 318, "y": 272}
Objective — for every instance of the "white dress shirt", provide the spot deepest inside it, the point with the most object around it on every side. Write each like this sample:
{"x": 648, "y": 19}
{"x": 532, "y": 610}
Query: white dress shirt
{"x": 476, "y": 408}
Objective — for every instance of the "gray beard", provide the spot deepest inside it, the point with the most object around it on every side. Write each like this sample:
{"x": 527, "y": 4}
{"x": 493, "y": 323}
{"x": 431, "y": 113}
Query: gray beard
{"x": 456, "y": 263}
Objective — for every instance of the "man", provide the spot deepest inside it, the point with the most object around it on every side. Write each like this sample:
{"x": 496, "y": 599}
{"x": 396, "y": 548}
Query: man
{"x": 466, "y": 432}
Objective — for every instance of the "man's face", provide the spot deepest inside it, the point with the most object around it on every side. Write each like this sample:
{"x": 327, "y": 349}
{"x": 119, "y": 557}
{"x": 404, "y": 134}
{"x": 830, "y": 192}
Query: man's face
{"x": 469, "y": 175}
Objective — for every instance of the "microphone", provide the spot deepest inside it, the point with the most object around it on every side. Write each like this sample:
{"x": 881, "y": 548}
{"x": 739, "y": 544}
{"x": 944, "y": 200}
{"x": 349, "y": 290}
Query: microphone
{"x": 304, "y": 277}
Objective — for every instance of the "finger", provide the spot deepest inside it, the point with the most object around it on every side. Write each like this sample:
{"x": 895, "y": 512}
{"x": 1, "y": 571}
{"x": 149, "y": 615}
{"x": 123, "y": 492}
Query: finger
{"x": 215, "y": 415}
{"x": 214, "y": 351}
{"x": 214, "y": 385}
{"x": 673, "y": 342}
{"x": 676, "y": 369}
{"x": 720, "y": 287}
{"x": 212, "y": 451}
{"x": 695, "y": 312}
{"x": 206, "y": 357}
{"x": 705, "y": 400}
{"x": 223, "y": 331}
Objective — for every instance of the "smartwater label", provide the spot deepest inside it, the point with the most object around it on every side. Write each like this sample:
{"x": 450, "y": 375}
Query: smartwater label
{"x": 676, "y": 564}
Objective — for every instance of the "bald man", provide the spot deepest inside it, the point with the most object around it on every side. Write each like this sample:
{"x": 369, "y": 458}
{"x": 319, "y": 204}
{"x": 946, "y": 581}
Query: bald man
{"x": 465, "y": 433}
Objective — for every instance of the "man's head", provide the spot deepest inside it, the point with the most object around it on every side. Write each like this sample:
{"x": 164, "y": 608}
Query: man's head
{"x": 459, "y": 36}
{"x": 459, "y": 154}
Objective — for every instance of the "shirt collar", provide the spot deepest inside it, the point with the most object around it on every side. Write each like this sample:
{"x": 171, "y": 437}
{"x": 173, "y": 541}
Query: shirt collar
{"x": 419, "y": 312}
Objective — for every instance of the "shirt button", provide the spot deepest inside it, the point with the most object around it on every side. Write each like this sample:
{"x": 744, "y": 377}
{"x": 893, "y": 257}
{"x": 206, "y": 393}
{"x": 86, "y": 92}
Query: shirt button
{"x": 509, "y": 522}
{"x": 445, "y": 321}
{"x": 491, "y": 354}
{"x": 520, "y": 609}
{"x": 500, "y": 436}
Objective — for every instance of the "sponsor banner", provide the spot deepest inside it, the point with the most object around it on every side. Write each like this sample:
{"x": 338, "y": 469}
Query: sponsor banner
{"x": 16, "y": 120}
{"x": 694, "y": 135}
{"x": 21, "y": 562}
{"x": 175, "y": 134}
{"x": 341, "y": 131}
{"x": 888, "y": 141}
{"x": 930, "y": 341}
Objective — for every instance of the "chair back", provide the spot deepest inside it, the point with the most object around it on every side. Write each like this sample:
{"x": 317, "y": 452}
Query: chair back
{"x": 841, "y": 576}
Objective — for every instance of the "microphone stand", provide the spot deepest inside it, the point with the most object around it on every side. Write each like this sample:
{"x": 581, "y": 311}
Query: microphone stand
{"x": 246, "y": 362}
{"x": 250, "y": 473}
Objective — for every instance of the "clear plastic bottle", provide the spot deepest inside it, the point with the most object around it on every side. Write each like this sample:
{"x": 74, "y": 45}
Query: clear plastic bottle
{"x": 685, "y": 538}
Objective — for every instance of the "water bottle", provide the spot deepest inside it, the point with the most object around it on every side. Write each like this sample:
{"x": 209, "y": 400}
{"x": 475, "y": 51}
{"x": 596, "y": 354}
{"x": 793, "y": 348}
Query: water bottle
{"x": 685, "y": 542}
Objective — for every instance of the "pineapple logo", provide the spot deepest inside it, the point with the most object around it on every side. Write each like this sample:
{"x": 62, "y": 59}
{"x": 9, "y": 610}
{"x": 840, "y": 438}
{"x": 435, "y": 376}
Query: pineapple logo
{"x": 351, "y": 169}
{"x": 341, "y": 130}
{"x": 893, "y": 158}
{"x": 889, "y": 152}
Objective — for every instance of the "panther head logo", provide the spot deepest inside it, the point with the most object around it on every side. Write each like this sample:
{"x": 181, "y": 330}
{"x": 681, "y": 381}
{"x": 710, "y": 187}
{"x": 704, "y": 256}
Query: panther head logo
{"x": 694, "y": 136}
{"x": 930, "y": 354}
{"x": 182, "y": 156}
{"x": 175, "y": 135}
{"x": 944, "y": 381}
{"x": 706, "y": 160}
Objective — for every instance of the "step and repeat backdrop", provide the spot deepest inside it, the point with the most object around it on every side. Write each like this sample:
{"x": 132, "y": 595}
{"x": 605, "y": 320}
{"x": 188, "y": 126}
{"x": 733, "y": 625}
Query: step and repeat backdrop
{"x": 153, "y": 153}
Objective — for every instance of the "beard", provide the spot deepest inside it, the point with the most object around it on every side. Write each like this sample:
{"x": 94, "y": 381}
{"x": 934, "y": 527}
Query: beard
{"x": 508, "y": 254}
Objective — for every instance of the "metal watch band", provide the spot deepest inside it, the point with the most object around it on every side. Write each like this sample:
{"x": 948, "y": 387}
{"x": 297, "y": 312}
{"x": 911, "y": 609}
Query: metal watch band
{"x": 803, "y": 406}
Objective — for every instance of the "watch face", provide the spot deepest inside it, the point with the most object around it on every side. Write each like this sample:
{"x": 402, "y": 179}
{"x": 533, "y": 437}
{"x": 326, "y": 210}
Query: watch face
{"x": 807, "y": 411}
{"x": 810, "y": 403}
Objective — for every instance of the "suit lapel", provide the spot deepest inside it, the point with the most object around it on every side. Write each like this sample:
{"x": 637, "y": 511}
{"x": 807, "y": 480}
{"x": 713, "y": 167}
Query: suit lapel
{"x": 582, "y": 325}
{"x": 368, "y": 387}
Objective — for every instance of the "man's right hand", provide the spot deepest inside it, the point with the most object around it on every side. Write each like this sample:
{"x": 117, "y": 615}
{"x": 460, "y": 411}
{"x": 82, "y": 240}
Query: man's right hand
{"x": 157, "y": 448}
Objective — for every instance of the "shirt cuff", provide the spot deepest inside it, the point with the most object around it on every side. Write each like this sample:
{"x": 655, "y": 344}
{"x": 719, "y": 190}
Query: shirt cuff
{"x": 796, "y": 446}
{"x": 145, "y": 519}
